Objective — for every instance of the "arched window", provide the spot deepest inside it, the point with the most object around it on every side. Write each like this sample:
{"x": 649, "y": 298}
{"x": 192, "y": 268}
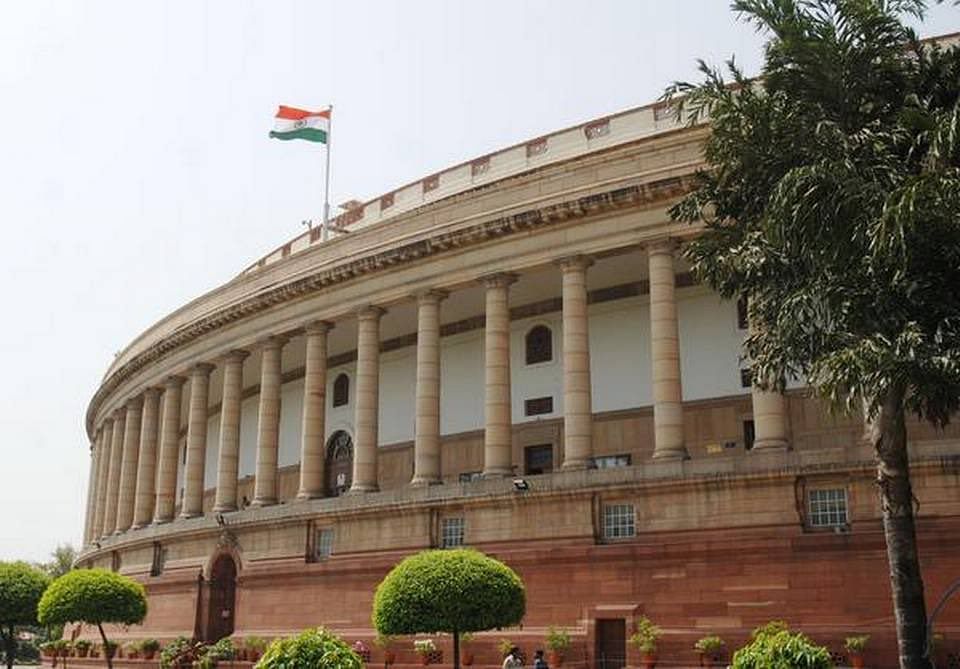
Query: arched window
{"x": 539, "y": 345}
{"x": 341, "y": 390}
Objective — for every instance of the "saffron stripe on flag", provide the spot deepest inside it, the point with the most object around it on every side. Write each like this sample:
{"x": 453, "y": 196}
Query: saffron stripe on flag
{"x": 295, "y": 114}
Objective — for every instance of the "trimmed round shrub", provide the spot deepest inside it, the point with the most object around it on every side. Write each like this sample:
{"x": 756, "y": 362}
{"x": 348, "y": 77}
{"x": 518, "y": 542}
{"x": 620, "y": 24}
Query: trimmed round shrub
{"x": 311, "y": 649}
{"x": 93, "y": 596}
{"x": 21, "y": 586}
{"x": 459, "y": 590}
{"x": 774, "y": 646}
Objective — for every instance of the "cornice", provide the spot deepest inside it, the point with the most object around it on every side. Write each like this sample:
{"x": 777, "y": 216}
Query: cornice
{"x": 633, "y": 196}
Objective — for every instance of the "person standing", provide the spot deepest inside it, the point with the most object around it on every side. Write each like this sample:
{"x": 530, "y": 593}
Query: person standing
{"x": 513, "y": 660}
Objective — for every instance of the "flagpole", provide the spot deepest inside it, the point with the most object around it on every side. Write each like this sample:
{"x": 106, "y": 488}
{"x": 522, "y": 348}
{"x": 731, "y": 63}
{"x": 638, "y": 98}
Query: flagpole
{"x": 324, "y": 232}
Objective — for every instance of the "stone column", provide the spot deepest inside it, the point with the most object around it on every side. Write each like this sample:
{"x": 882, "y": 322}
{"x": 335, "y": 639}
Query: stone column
{"x": 312, "y": 456}
{"x": 91, "y": 489}
{"x": 113, "y": 477}
{"x": 367, "y": 404}
{"x": 769, "y": 420}
{"x": 228, "y": 460}
{"x": 498, "y": 432}
{"x": 194, "y": 470}
{"x": 169, "y": 450}
{"x": 665, "y": 358}
{"x": 577, "y": 400}
{"x": 426, "y": 446}
{"x": 103, "y": 473}
{"x": 147, "y": 465}
{"x": 268, "y": 440}
{"x": 128, "y": 468}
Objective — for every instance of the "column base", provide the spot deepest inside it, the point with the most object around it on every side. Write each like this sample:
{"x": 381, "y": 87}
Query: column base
{"x": 305, "y": 496}
{"x": 497, "y": 473}
{"x": 192, "y": 514}
{"x": 360, "y": 488}
{"x": 225, "y": 508}
{"x": 139, "y": 527}
{"x": 260, "y": 503}
{"x": 770, "y": 446}
{"x": 161, "y": 521}
{"x": 424, "y": 482}
{"x": 673, "y": 454}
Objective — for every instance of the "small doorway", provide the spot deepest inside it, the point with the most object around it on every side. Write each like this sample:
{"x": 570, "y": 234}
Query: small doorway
{"x": 339, "y": 463}
{"x": 221, "y": 599}
{"x": 538, "y": 459}
{"x": 611, "y": 643}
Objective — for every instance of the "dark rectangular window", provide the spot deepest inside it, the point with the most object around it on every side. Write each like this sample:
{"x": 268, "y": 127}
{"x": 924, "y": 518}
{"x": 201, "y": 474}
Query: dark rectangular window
{"x": 159, "y": 557}
{"x": 746, "y": 378}
{"x": 538, "y": 406}
{"x": 743, "y": 320}
{"x": 538, "y": 459}
{"x": 828, "y": 507}
{"x": 748, "y": 434}
{"x": 451, "y": 532}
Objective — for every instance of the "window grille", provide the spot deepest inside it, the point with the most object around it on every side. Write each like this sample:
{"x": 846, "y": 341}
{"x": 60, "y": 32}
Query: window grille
{"x": 451, "y": 532}
{"x": 538, "y": 406}
{"x": 828, "y": 507}
{"x": 323, "y": 548}
{"x": 611, "y": 461}
{"x": 539, "y": 345}
{"x": 467, "y": 477}
{"x": 618, "y": 521}
{"x": 341, "y": 390}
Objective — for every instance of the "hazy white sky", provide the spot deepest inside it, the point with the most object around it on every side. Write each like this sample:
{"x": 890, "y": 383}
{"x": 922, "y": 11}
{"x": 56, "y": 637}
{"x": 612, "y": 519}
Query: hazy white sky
{"x": 136, "y": 172}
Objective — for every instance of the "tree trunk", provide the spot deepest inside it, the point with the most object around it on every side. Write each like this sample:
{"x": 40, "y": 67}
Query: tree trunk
{"x": 456, "y": 649}
{"x": 888, "y": 434}
{"x": 10, "y": 646}
{"x": 106, "y": 651}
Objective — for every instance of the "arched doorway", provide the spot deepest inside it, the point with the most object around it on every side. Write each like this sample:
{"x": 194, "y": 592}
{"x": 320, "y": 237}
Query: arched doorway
{"x": 339, "y": 463}
{"x": 221, "y": 599}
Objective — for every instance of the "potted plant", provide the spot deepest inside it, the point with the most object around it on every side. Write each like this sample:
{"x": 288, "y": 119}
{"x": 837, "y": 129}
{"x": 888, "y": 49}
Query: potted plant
{"x": 710, "y": 649}
{"x": 644, "y": 639}
{"x": 425, "y": 648}
{"x": 255, "y": 647}
{"x": 132, "y": 650}
{"x": 47, "y": 649}
{"x": 466, "y": 655}
{"x": 854, "y": 645}
{"x": 557, "y": 642}
{"x": 385, "y": 643}
{"x": 82, "y": 647}
{"x": 148, "y": 648}
{"x": 361, "y": 649}
{"x": 61, "y": 648}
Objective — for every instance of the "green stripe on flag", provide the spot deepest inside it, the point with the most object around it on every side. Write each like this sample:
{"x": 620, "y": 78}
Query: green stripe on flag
{"x": 309, "y": 134}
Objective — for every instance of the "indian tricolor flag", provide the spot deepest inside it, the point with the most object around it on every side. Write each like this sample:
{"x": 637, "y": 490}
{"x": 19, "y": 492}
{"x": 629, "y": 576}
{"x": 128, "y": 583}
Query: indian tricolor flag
{"x": 292, "y": 123}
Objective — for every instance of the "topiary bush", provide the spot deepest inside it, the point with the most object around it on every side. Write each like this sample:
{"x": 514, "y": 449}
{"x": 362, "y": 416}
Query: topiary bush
{"x": 95, "y": 597}
{"x": 450, "y": 591}
{"x": 311, "y": 649}
{"x": 21, "y": 586}
{"x": 774, "y": 646}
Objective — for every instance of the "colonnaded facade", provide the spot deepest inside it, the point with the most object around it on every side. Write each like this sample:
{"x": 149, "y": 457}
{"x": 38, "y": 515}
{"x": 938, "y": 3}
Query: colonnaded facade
{"x": 510, "y": 354}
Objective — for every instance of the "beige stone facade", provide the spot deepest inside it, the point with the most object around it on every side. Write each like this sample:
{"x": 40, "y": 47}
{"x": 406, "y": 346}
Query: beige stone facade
{"x": 635, "y": 510}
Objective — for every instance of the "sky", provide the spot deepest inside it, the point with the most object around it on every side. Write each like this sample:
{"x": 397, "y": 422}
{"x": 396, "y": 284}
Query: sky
{"x": 136, "y": 172}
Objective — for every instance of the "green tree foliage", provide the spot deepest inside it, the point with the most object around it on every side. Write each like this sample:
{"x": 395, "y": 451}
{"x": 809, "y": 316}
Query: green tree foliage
{"x": 61, "y": 560}
{"x": 311, "y": 649}
{"x": 774, "y": 646}
{"x": 450, "y": 591}
{"x": 21, "y": 587}
{"x": 832, "y": 203}
{"x": 95, "y": 597}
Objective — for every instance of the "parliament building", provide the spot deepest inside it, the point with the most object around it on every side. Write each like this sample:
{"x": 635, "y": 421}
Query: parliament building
{"x": 510, "y": 354}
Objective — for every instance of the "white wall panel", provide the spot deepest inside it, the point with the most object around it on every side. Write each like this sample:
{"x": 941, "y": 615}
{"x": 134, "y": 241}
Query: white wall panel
{"x": 398, "y": 380}
{"x": 620, "y": 354}
{"x": 461, "y": 382}
{"x": 709, "y": 345}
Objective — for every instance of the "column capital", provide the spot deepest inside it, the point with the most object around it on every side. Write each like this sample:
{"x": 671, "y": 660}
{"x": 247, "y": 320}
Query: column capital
{"x": 370, "y": 312}
{"x": 499, "y": 279}
{"x": 277, "y": 341}
{"x": 119, "y": 413}
{"x": 173, "y": 382}
{"x": 431, "y": 296}
{"x": 318, "y": 327}
{"x": 575, "y": 262}
{"x": 134, "y": 403}
{"x": 662, "y": 246}
{"x": 152, "y": 391}
{"x": 202, "y": 369}
{"x": 236, "y": 355}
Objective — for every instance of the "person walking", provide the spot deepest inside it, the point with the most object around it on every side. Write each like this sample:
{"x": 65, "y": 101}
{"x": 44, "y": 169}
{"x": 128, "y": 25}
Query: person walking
{"x": 513, "y": 660}
{"x": 538, "y": 661}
